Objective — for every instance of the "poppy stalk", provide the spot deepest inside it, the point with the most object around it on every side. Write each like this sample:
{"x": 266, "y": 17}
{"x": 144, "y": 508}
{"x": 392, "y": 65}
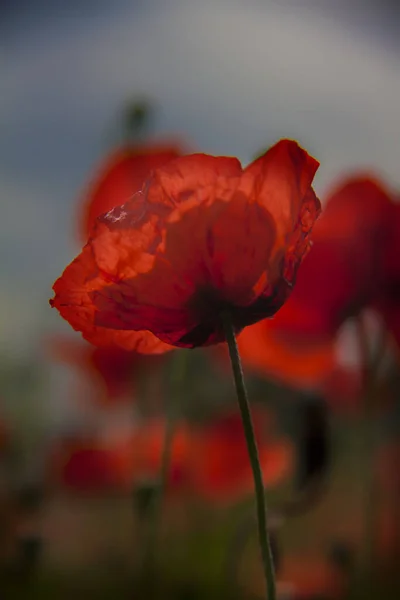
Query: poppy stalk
{"x": 264, "y": 541}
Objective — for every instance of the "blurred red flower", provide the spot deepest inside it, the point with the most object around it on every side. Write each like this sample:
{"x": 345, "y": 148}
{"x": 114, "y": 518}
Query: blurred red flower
{"x": 120, "y": 176}
{"x": 111, "y": 368}
{"x": 291, "y": 359}
{"x": 221, "y": 468}
{"x": 90, "y": 465}
{"x": 208, "y": 461}
{"x": 204, "y": 236}
{"x": 339, "y": 277}
{"x": 211, "y": 461}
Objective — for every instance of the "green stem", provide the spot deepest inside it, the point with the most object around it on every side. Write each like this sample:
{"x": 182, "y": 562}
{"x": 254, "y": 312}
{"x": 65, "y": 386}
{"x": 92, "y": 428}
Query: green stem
{"x": 155, "y": 513}
{"x": 265, "y": 546}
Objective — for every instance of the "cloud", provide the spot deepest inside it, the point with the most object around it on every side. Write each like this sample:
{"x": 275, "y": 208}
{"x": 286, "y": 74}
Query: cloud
{"x": 231, "y": 74}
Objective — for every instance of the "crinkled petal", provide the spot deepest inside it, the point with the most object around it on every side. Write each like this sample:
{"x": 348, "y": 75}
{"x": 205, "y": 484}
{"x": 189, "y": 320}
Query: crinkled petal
{"x": 194, "y": 177}
{"x": 120, "y": 177}
{"x": 214, "y": 257}
{"x": 280, "y": 180}
{"x": 73, "y": 300}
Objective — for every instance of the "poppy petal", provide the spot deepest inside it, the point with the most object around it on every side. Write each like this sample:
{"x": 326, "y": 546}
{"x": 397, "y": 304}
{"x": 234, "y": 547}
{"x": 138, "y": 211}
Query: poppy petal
{"x": 120, "y": 177}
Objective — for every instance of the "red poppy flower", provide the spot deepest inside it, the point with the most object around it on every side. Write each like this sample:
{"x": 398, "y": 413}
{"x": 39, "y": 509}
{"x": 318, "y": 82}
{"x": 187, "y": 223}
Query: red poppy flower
{"x": 338, "y": 277}
{"x": 204, "y": 236}
{"x": 121, "y": 176}
{"x": 220, "y": 463}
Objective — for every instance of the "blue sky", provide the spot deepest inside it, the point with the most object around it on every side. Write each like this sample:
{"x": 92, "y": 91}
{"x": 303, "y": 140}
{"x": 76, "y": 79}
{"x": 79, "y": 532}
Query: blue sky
{"x": 229, "y": 76}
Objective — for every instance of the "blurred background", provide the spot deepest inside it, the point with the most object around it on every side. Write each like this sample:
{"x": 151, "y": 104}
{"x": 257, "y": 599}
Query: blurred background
{"x": 227, "y": 77}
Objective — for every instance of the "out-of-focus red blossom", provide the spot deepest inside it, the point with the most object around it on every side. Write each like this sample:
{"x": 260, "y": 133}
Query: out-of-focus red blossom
{"x": 120, "y": 176}
{"x": 95, "y": 465}
{"x": 202, "y": 237}
{"x": 212, "y": 461}
{"x": 291, "y": 360}
{"x": 92, "y": 466}
{"x": 221, "y": 467}
{"x": 207, "y": 461}
{"x": 339, "y": 277}
{"x": 112, "y": 369}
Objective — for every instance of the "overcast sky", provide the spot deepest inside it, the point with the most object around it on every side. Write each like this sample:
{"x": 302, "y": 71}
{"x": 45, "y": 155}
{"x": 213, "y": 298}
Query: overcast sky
{"x": 229, "y": 76}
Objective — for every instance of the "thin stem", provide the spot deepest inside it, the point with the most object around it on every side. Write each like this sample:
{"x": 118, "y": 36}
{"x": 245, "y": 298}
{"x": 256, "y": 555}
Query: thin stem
{"x": 265, "y": 545}
{"x": 155, "y": 513}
